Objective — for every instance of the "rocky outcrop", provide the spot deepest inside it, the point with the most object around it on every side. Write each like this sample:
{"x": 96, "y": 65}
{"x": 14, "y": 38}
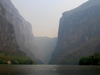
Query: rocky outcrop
{"x": 23, "y": 29}
{"x": 79, "y": 33}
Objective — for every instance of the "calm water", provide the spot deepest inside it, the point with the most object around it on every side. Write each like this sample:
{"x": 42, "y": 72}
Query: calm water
{"x": 48, "y": 70}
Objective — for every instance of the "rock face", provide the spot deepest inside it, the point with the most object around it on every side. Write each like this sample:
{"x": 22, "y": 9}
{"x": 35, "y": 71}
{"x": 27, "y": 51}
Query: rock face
{"x": 46, "y": 46}
{"x": 23, "y": 29}
{"x": 79, "y": 34}
{"x": 7, "y": 36}
{"x": 10, "y": 52}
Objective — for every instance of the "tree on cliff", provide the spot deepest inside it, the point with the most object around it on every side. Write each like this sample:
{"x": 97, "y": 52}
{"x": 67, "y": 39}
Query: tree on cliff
{"x": 91, "y": 60}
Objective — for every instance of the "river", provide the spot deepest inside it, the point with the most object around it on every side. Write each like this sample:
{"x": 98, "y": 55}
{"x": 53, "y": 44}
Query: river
{"x": 49, "y": 70}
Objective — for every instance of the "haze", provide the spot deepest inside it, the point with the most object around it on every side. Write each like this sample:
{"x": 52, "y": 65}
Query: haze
{"x": 44, "y": 15}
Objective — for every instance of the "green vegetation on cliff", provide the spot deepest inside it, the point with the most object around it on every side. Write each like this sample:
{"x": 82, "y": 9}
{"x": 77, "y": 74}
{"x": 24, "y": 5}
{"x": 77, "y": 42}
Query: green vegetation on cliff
{"x": 15, "y": 59}
{"x": 90, "y": 60}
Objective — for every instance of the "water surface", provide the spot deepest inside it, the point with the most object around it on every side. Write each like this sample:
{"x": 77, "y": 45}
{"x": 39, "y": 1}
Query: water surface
{"x": 48, "y": 70}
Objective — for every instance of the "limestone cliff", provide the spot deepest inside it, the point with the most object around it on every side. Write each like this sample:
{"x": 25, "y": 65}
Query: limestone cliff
{"x": 23, "y": 29}
{"x": 7, "y": 36}
{"x": 79, "y": 33}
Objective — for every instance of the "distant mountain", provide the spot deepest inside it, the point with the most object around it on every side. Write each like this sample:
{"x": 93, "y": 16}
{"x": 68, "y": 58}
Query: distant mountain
{"x": 46, "y": 46}
{"x": 79, "y": 34}
{"x": 22, "y": 28}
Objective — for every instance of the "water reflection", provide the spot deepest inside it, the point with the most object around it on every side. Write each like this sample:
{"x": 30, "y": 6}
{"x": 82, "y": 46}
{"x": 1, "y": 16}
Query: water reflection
{"x": 48, "y": 70}
{"x": 79, "y": 70}
{"x": 28, "y": 70}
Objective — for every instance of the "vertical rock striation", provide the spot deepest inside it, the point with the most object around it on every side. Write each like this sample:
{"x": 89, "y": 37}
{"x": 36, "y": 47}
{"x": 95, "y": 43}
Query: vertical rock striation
{"x": 79, "y": 33}
{"x": 23, "y": 29}
{"x": 7, "y": 36}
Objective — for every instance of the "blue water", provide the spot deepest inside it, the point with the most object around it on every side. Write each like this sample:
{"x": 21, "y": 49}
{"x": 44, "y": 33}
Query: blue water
{"x": 48, "y": 70}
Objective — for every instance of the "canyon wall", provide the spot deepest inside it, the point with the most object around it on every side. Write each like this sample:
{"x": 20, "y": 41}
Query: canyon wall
{"x": 79, "y": 34}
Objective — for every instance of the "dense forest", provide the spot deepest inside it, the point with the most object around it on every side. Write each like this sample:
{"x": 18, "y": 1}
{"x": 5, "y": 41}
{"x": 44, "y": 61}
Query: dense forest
{"x": 90, "y": 60}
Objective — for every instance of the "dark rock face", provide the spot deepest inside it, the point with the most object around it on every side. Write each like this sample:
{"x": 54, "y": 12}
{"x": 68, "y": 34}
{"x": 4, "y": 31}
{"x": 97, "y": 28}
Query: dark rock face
{"x": 8, "y": 42}
{"x": 79, "y": 34}
{"x": 23, "y": 29}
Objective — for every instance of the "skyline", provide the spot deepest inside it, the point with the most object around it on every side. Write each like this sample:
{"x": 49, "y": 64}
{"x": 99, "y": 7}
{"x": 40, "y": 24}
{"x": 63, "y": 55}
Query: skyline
{"x": 44, "y": 15}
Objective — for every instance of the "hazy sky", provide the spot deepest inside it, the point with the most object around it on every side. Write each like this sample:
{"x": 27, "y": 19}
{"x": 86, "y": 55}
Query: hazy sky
{"x": 44, "y": 15}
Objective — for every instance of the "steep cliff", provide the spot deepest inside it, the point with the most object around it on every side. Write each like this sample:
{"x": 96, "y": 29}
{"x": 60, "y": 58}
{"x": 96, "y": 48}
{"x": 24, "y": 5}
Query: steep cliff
{"x": 23, "y": 29}
{"x": 7, "y": 35}
{"x": 9, "y": 49}
{"x": 79, "y": 34}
